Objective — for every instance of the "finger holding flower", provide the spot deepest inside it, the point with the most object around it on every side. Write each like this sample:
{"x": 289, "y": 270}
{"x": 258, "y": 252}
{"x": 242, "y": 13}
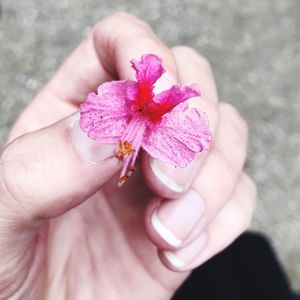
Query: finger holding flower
{"x": 68, "y": 226}
{"x": 130, "y": 115}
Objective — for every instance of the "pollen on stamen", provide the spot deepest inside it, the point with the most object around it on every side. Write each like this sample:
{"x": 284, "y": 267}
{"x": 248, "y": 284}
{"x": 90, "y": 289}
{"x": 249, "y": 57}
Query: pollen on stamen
{"x": 124, "y": 178}
{"x": 124, "y": 148}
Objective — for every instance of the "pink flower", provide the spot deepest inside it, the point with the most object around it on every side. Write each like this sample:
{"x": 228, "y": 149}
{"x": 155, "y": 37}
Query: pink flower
{"x": 128, "y": 113}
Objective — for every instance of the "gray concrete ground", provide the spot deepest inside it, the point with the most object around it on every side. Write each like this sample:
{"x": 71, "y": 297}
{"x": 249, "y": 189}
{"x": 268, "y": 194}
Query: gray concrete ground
{"x": 253, "y": 47}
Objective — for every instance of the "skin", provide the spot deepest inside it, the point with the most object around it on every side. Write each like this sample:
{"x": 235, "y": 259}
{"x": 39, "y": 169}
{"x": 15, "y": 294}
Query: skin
{"x": 66, "y": 230}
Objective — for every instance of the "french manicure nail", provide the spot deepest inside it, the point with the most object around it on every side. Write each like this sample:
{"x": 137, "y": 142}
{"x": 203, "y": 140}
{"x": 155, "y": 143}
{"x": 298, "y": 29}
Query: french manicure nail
{"x": 182, "y": 257}
{"x": 174, "y": 178}
{"x": 164, "y": 173}
{"x": 88, "y": 149}
{"x": 164, "y": 232}
{"x": 165, "y": 82}
{"x": 175, "y": 219}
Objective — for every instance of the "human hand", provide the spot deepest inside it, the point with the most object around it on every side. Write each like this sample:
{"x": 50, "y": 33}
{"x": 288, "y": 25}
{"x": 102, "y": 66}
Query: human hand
{"x": 68, "y": 232}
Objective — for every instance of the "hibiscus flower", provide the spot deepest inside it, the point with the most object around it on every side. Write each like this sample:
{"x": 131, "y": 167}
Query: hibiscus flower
{"x": 130, "y": 115}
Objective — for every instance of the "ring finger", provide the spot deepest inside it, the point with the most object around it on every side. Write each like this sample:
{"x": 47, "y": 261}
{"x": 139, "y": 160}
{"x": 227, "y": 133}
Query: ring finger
{"x": 231, "y": 221}
{"x": 174, "y": 223}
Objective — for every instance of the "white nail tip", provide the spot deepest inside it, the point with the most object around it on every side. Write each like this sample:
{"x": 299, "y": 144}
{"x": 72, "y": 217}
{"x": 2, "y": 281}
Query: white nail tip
{"x": 90, "y": 150}
{"x": 166, "y": 180}
{"x": 164, "y": 232}
{"x": 165, "y": 82}
{"x": 174, "y": 260}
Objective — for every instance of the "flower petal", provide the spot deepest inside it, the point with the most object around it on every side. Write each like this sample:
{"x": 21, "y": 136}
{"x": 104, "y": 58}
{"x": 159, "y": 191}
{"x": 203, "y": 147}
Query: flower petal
{"x": 177, "y": 94}
{"x": 182, "y": 133}
{"x": 104, "y": 116}
{"x": 167, "y": 100}
{"x": 149, "y": 69}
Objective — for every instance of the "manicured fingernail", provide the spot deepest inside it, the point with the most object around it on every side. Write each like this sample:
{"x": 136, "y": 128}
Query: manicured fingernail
{"x": 90, "y": 150}
{"x": 176, "y": 179}
{"x": 175, "y": 219}
{"x": 166, "y": 81}
{"x": 182, "y": 257}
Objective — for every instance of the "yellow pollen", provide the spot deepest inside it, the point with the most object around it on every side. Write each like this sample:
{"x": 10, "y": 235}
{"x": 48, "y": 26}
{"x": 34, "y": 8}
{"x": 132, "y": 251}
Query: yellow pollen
{"x": 124, "y": 148}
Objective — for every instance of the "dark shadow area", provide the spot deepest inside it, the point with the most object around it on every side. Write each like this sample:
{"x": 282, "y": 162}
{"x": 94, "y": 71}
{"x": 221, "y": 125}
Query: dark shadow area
{"x": 248, "y": 269}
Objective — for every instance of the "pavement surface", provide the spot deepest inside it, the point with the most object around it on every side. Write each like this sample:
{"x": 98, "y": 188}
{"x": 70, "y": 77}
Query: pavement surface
{"x": 253, "y": 47}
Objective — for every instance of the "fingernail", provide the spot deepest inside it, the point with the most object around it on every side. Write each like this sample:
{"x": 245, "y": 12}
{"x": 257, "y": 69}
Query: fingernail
{"x": 176, "y": 179}
{"x": 175, "y": 219}
{"x": 183, "y": 257}
{"x": 87, "y": 148}
{"x": 166, "y": 81}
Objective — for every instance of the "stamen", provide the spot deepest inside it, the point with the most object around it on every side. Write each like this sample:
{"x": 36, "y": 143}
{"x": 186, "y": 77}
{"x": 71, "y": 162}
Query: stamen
{"x": 124, "y": 148}
{"x": 122, "y": 180}
{"x": 129, "y": 146}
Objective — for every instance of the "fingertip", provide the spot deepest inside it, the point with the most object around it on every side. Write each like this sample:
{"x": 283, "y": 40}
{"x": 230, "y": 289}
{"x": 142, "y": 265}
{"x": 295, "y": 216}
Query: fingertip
{"x": 160, "y": 236}
{"x": 186, "y": 258}
{"x": 171, "y": 262}
{"x": 162, "y": 184}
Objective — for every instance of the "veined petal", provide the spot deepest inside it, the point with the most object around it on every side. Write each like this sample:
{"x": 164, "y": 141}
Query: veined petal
{"x": 104, "y": 116}
{"x": 167, "y": 100}
{"x": 181, "y": 134}
{"x": 149, "y": 69}
{"x": 177, "y": 94}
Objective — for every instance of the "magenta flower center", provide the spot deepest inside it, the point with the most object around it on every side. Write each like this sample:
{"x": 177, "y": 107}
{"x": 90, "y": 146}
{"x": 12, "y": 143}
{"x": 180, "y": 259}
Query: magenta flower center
{"x": 143, "y": 103}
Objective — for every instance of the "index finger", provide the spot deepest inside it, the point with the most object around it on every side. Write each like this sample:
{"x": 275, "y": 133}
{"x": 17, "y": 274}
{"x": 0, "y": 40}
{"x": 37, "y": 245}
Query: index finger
{"x": 102, "y": 56}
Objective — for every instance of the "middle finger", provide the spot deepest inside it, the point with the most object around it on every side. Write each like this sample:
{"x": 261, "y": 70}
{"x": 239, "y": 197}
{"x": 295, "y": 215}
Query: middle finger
{"x": 174, "y": 223}
{"x": 168, "y": 181}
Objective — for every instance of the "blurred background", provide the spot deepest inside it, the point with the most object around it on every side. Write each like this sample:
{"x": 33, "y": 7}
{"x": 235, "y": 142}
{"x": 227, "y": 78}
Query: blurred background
{"x": 253, "y": 47}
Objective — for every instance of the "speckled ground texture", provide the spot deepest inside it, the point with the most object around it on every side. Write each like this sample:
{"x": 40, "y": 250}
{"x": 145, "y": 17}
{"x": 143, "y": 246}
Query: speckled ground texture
{"x": 253, "y": 47}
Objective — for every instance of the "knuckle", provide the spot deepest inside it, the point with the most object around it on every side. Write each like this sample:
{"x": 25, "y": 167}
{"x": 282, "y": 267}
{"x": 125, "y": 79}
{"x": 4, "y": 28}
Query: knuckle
{"x": 130, "y": 29}
{"x": 239, "y": 123}
{"x": 16, "y": 173}
{"x": 246, "y": 200}
{"x": 145, "y": 41}
{"x": 225, "y": 177}
{"x": 185, "y": 50}
{"x": 210, "y": 108}
{"x": 204, "y": 62}
{"x": 213, "y": 107}
{"x": 8, "y": 184}
{"x": 191, "y": 53}
{"x": 225, "y": 186}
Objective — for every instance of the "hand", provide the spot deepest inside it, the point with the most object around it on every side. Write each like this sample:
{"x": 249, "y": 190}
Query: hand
{"x": 68, "y": 232}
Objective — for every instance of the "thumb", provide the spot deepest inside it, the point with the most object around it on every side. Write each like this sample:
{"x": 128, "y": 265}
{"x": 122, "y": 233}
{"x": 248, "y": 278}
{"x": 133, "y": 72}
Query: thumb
{"x": 46, "y": 173}
{"x": 42, "y": 175}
